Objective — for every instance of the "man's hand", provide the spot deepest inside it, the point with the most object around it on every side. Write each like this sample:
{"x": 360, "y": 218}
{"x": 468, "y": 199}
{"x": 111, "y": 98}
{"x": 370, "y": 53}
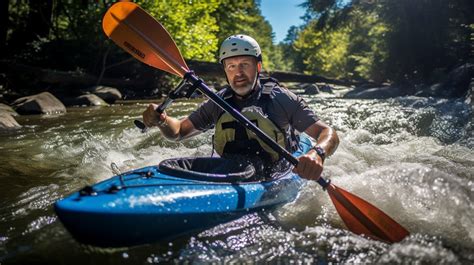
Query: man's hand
{"x": 310, "y": 166}
{"x": 152, "y": 118}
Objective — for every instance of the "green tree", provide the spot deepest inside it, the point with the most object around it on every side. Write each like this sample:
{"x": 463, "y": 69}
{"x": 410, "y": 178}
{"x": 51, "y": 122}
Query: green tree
{"x": 244, "y": 17}
{"x": 71, "y": 37}
{"x": 341, "y": 40}
{"x": 426, "y": 35}
{"x": 324, "y": 51}
{"x": 386, "y": 39}
{"x": 292, "y": 59}
{"x": 367, "y": 50}
{"x": 190, "y": 23}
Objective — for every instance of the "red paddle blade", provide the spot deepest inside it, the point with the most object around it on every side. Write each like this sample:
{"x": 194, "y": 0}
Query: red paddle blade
{"x": 362, "y": 217}
{"x": 138, "y": 33}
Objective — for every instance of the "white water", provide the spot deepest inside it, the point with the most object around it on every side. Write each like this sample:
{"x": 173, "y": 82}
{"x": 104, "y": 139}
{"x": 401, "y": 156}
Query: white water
{"x": 411, "y": 157}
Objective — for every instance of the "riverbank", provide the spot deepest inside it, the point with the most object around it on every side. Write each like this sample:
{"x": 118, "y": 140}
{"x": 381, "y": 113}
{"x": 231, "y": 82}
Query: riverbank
{"x": 458, "y": 83}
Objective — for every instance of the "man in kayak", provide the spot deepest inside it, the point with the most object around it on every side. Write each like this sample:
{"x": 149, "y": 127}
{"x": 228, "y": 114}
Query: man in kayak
{"x": 275, "y": 110}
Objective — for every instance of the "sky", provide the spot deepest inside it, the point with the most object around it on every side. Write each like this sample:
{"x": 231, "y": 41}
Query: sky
{"x": 282, "y": 14}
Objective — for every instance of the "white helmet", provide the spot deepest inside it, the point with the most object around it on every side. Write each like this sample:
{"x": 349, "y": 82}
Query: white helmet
{"x": 237, "y": 45}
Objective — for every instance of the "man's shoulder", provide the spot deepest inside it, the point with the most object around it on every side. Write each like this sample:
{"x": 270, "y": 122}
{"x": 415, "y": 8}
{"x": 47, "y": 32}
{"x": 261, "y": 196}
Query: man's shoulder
{"x": 272, "y": 87}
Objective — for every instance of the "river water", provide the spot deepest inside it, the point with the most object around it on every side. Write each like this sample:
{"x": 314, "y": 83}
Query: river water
{"x": 411, "y": 157}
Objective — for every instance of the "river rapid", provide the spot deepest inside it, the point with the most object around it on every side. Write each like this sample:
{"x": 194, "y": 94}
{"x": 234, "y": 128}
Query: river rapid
{"x": 411, "y": 157}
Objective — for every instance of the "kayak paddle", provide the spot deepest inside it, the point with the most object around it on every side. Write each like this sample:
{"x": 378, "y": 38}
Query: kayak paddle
{"x": 137, "y": 32}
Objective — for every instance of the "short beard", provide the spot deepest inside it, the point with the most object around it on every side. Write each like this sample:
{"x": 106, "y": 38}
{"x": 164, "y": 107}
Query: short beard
{"x": 252, "y": 87}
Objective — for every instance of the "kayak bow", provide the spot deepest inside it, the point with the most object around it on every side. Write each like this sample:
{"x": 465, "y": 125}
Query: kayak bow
{"x": 148, "y": 205}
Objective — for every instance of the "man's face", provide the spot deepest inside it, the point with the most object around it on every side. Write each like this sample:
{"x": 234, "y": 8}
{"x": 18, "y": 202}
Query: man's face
{"x": 241, "y": 72}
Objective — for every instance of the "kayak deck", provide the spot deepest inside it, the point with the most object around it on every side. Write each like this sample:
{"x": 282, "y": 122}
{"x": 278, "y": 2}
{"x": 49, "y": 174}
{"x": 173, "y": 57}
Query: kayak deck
{"x": 147, "y": 205}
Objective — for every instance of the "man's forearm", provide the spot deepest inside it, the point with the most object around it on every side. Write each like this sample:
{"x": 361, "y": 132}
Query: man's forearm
{"x": 177, "y": 130}
{"x": 170, "y": 128}
{"x": 325, "y": 136}
{"x": 328, "y": 140}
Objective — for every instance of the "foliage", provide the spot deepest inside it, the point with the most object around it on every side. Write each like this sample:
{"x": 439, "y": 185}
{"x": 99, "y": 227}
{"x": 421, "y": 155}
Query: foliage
{"x": 367, "y": 48}
{"x": 293, "y": 59}
{"x": 198, "y": 27}
{"x": 385, "y": 39}
{"x": 67, "y": 40}
{"x": 244, "y": 17}
{"x": 369, "y": 39}
{"x": 426, "y": 35}
{"x": 341, "y": 41}
{"x": 191, "y": 24}
{"x": 322, "y": 50}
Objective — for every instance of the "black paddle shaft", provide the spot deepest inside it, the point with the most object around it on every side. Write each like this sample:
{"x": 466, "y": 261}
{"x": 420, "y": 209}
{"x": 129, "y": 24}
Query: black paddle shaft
{"x": 197, "y": 82}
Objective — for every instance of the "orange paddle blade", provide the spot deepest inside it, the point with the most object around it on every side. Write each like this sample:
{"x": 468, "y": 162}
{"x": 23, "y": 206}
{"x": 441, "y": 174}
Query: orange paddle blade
{"x": 362, "y": 217}
{"x": 138, "y": 33}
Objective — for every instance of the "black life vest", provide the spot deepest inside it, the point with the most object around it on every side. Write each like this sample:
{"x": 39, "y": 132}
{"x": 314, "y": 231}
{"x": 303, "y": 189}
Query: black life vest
{"x": 233, "y": 138}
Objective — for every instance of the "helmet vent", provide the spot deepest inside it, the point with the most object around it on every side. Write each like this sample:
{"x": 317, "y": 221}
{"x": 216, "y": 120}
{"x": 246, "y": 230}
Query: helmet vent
{"x": 239, "y": 45}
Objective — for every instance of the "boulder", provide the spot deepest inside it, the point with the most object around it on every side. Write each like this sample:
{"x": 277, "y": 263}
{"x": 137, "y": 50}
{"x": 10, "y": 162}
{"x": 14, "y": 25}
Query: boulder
{"x": 470, "y": 94}
{"x": 7, "y": 122}
{"x": 42, "y": 103}
{"x": 85, "y": 100}
{"x": 326, "y": 88}
{"x": 457, "y": 83}
{"x": 434, "y": 90}
{"x": 7, "y": 109}
{"x": 311, "y": 89}
{"x": 376, "y": 93}
{"x": 108, "y": 94}
{"x": 454, "y": 85}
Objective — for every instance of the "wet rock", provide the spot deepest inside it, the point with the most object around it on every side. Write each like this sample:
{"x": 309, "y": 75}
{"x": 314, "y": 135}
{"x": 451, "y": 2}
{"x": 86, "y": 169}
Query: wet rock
{"x": 470, "y": 94}
{"x": 376, "y": 93}
{"x": 326, "y": 88}
{"x": 434, "y": 90}
{"x": 42, "y": 103}
{"x": 85, "y": 100}
{"x": 108, "y": 94}
{"x": 7, "y": 109}
{"x": 7, "y": 122}
{"x": 457, "y": 83}
{"x": 311, "y": 89}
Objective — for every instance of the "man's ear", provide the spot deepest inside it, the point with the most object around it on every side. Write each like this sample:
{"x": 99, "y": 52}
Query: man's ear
{"x": 259, "y": 66}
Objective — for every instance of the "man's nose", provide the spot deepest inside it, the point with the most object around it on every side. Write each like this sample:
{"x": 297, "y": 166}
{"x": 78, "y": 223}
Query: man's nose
{"x": 242, "y": 68}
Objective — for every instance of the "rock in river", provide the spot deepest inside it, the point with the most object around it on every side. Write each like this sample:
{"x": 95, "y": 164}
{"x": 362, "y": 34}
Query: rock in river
{"x": 42, "y": 103}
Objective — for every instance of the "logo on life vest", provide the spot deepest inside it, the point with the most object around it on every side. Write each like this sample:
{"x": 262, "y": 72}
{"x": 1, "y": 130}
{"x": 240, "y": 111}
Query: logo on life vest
{"x": 134, "y": 50}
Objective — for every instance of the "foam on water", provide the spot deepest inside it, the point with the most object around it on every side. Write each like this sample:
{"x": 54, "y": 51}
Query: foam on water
{"x": 411, "y": 157}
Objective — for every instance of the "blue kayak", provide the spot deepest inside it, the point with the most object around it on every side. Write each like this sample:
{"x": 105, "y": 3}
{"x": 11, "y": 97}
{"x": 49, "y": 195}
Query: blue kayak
{"x": 175, "y": 197}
